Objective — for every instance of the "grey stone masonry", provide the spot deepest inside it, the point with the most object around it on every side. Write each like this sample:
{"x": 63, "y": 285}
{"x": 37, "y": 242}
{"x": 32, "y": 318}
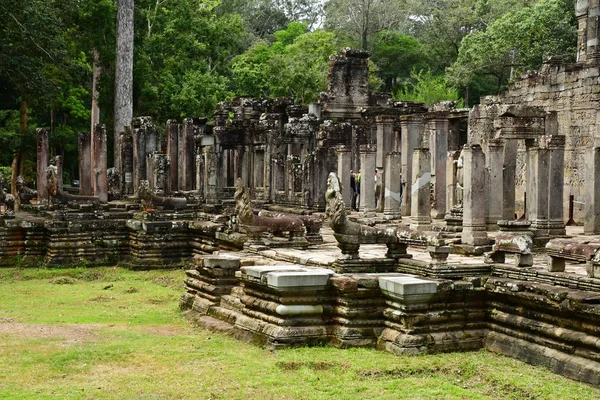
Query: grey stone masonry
{"x": 42, "y": 163}
{"x": 85, "y": 163}
{"x": 474, "y": 229}
{"x": 343, "y": 173}
{"x": 391, "y": 196}
{"x": 367, "y": 179}
{"x": 409, "y": 126}
{"x": 420, "y": 216}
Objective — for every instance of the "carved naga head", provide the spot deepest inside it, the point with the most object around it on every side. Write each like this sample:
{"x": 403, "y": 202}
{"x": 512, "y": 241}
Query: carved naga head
{"x": 335, "y": 209}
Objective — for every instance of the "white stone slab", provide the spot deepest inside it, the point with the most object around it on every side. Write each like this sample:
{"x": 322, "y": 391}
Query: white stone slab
{"x": 257, "y": 271}
{"x": 297, "y": 279}
{"x": 221, "y": 262}
{"x": 406, "y": 288}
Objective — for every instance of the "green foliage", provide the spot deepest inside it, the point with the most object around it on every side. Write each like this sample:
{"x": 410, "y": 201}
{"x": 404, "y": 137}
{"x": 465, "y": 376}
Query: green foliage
{"x": 295, "y": 65}
{"x": 429, "y": 89}
{"x": 5, "y": 173}
{"x": 184, "y": 58}
{"x": 516, "y": 42}
{"x": 396, "y": 55}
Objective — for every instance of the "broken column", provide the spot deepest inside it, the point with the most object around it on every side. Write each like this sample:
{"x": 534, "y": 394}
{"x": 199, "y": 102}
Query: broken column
{"x": 438, "y": 144}
{"x": 85, "y": 163}
{"x": 392, "y": 194}
{"x": 42, "y": 163}
{"x": 127, "y": 161}
{"x": 420, "y": 216}
{"x": 186, "y": 177}
{"x": 367, "y": 179}
{"x": 344, "y": 166}
{"x": 99, "y": 160}
{"x": 508, "y": 180}
{"x": 410, "y": 125}
{"x": 173, "y": 153}
{"x": 474, "y": 230}
{"x": 385, "y": 138}
{"x": 139, "y": 157}
{"x": 452, "y": 179}
{"x": 495, "y": 188}
{"x": 210, "y": 175}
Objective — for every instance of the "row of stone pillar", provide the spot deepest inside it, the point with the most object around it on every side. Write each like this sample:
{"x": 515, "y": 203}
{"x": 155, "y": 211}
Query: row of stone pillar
{"x": 92, "y": 163}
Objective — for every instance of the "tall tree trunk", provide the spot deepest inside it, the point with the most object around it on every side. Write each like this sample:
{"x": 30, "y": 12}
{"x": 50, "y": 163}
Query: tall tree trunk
{"x": 123, "y": 74}
{"x": 96, "y": 72}
{"x": 17, "y": 163}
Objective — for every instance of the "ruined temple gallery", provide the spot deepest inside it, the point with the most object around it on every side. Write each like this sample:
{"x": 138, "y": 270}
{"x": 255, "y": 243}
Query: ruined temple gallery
{"x": 484, "y": 232}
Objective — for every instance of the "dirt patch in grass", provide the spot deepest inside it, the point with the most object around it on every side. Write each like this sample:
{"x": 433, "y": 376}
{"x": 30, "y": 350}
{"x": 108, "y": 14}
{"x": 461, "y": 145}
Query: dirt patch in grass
{"x": 314, "y": 365}
{"x": 71, "y": 333}
{"x": 162, "y": 330}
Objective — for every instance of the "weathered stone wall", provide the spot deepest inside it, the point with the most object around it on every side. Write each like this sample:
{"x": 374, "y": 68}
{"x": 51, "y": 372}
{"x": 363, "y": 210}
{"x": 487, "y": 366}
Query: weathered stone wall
{"x": 573, "y": 91}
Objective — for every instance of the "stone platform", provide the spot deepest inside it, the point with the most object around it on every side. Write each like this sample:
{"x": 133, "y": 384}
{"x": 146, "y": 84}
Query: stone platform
{"x": 288, "y": 297}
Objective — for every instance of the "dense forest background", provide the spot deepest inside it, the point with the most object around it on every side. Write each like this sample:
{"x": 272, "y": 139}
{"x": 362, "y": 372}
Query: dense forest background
{"x": 191, "y": 54}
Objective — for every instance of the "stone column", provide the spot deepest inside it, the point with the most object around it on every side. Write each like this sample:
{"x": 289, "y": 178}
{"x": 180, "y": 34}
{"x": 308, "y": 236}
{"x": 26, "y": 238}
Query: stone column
{"x": 474, "y": 230}
{"x": 451, "y": 178}
{"x": 495, "y": 183}
{"x": 538, "y": 157}
{"x": 58, "y": 160}
{"x": 85, "y": 163}
{"x": 139, "y": 158}
{"x": 392, "y": 198}
{"x": 99, "y": 160}
{"x": 188, "y": 132}
{"x": 367, "y": 179}
{"x": 173, "y": 153}
{"x": 410, "y": 126}
{"x": 591, "y": 223}
{"x": 508, "y": 180}
{"x": 158, "y": 167}
{"x": 556, "y": 168}
{"x": 211, "y": 178}
{"x": 439, "y": 151}
{"x": 181, "y": 158}
{"x": 343, "y": 173}
{"x": 385, "y": 138}
{"x": 420, "y": 216}
{"x": 42, "y": 163}
{"x": 127, "y": 162}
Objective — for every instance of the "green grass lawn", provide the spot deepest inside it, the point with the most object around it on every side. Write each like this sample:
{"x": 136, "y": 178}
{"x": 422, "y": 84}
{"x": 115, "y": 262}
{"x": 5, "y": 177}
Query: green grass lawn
{"x": 112, "y": 333}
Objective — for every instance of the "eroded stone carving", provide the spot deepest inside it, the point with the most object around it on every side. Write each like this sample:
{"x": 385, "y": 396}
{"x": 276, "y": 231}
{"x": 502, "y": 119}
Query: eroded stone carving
{"x": 255, "y": 225}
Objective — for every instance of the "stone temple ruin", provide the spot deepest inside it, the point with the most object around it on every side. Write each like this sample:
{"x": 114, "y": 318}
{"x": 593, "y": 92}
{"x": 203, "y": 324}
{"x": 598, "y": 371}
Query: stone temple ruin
{"x": 472, "y": 243}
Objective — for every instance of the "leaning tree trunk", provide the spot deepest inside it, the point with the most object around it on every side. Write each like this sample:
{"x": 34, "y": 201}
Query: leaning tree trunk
{"x": 96, "y": 72}
{"x": 123, "y": 74}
